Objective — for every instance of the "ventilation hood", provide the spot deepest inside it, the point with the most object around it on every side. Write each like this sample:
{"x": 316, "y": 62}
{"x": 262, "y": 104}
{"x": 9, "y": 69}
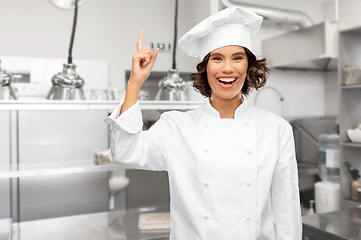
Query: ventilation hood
{"x": 310, "y": 48}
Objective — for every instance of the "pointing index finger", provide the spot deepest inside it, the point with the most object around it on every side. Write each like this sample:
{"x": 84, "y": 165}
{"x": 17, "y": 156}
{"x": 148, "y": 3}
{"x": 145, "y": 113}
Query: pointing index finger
{"x": 140, "y": 40}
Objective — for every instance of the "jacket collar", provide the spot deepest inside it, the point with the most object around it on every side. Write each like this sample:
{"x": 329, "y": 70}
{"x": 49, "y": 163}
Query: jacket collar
{"x": 240, "y": 111}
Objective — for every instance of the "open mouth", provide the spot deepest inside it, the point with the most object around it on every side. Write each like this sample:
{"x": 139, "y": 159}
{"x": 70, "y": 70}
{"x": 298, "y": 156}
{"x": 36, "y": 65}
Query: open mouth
{"x": 227, "y": 81}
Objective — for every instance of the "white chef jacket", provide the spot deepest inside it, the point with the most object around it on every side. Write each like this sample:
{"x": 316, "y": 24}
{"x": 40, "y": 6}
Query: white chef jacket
{"x": 230, "y": 179}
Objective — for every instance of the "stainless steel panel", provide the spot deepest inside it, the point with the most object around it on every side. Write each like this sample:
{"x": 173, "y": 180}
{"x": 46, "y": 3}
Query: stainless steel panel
{"x": 313, "y": 47}
{"x": 116, "y": 225}
{"x": 63, "y": 195}
{"x": 306, "y": 150}
{"x": 55, "y": 136}
{"x": 5, "y": 162}
{"x": 61, "y": 136}
{"x": 344, "y": 224}
{"x": 147, "y": 188}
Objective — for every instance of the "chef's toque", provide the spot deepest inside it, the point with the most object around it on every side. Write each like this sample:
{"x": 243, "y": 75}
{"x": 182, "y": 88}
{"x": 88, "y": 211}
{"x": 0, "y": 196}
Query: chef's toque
{"x": 231, "y": 26}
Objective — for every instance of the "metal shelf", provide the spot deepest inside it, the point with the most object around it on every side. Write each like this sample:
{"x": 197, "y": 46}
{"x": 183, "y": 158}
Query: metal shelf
{"x": 351, "y": 203}
{"x": 356, "y": 86}
{"x": 351, "y": 144}
{"x": 45, "y": 169}
{"x": 95, "y": 105}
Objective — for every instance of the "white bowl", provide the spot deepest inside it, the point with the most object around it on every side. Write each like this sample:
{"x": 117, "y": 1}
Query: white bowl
{"x": 354, "y": 135}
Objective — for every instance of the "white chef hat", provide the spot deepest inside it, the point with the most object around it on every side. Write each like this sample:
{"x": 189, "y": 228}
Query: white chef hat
{"x": 231, "y": 26}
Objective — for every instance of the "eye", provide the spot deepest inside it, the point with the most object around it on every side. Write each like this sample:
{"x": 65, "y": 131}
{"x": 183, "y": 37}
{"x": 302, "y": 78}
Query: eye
{"x": 238, "y": 58}
{"x": 217, "y": 58}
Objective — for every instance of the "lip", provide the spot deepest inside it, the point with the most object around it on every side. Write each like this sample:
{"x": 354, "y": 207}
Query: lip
{"x": 227, "y": 86}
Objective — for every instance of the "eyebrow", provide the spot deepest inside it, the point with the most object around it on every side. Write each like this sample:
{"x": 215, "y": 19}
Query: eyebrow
{"x": 237, "y": 53}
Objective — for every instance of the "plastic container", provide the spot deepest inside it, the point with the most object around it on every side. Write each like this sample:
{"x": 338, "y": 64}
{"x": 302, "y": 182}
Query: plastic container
{"x": 329, "y": 164}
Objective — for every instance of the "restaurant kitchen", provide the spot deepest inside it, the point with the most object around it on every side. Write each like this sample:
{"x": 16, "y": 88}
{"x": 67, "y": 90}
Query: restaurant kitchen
{"x": 53, "y": 169}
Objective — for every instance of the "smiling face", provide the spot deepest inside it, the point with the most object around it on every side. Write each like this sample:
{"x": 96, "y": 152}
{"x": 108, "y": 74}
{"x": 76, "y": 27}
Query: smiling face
{"x": 226, "y": 72}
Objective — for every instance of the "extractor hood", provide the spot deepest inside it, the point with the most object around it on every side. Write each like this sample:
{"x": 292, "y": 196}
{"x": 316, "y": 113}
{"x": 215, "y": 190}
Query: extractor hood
{"x": 311, "y": 48}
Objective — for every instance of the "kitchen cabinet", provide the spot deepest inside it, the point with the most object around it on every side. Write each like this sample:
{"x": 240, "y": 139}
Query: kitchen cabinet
{"x": 316, "y": 48}
{"x": 349, "y": 110}
{"x": 26, "y": 179}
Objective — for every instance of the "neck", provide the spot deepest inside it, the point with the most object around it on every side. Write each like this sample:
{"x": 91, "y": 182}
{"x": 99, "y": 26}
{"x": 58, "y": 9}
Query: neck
{"x": 226, "y": 107}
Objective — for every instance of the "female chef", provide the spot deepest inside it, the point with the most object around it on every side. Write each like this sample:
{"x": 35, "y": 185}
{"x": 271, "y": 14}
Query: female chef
{"x": 231, "y": 166}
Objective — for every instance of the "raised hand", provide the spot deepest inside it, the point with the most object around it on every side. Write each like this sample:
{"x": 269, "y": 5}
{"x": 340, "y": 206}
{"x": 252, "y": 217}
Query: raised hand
{"x": 143, "y": 61}
{"x": 142, "y": 64}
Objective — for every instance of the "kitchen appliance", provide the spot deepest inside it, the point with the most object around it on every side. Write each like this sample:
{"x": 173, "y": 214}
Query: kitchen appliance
{"x": 172, "y": 87}
{"x": 316, "y": 48}
{"x": 67, "y": 85}
{"x": 31, "y": 75}
{"x": 6, "y": 89}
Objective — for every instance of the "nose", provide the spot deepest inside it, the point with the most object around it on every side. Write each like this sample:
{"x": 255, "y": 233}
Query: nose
{"x": 227, "y": 67}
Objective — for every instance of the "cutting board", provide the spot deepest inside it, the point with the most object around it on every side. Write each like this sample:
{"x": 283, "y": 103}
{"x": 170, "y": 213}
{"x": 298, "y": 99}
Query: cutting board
{"x": 154, "y": 221}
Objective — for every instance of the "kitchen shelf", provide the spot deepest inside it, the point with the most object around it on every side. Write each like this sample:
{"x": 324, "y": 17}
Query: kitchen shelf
{"x": 349, "y": 110}
{"x": 95, "y": 105}
{"x": 356, "y": 86}
{"x": 351, "y": 203}
{"x": 351, "y": 144}
{"x": 46, "y": 169}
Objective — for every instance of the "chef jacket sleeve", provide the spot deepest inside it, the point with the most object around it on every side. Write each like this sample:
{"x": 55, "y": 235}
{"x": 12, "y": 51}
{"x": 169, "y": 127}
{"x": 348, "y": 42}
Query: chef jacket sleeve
{"x": 284, "y": 190}
{"x": 131, "y": 147}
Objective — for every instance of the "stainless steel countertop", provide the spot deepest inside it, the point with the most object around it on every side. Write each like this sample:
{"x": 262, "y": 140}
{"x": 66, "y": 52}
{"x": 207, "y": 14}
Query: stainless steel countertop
{"x": 119, "y": 225}
{"x": 344, "y": 223}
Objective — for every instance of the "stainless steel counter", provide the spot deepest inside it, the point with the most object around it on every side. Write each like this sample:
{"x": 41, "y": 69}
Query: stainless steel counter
{"x": 119, "y": 225}
{"x": 344, "y": 224}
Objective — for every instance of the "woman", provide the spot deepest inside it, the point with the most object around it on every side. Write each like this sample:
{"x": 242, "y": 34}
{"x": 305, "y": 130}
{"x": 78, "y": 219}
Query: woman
{"x": 231, "y": 166}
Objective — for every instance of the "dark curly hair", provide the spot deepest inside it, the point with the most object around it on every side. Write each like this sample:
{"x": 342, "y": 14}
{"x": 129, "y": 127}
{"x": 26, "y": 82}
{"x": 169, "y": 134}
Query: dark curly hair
{"x": 257, "y": 74}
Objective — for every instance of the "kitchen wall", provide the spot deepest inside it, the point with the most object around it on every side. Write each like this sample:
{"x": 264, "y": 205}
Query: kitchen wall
{"x": 108, "y": 30}
{"x": 305, "y": 93}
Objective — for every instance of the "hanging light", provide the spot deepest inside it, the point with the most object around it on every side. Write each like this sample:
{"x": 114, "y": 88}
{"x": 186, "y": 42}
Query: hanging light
{"x": 66, "y": 4}
{"x": 172, "y": 87}
{"x": 67, "y": 85}
{"x": 6, "y": 90}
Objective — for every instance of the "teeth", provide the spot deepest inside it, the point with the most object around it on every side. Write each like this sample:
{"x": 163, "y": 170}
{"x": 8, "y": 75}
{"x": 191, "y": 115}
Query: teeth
{"x": 227, "y": 79}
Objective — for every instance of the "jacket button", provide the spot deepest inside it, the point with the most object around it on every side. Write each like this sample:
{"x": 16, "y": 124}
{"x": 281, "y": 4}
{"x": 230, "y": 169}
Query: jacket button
{"x": 206, "y": 150}
{"x": 248, "y": 151}
{"x": 205, "y": 124}
{"x": 205, "y": 217}
{"x": 246, "y": 123}
{"x": 247, "y": 217}
{"x": 206, "y": 184}
{"x": 248, "y": 183}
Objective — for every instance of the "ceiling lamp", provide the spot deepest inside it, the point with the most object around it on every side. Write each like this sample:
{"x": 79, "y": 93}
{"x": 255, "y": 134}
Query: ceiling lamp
{"x": 6, "y": 90}
{"x": 67, "y": 85}
{"x": 66, "y": 4}
{"x": 172, "y": 87}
